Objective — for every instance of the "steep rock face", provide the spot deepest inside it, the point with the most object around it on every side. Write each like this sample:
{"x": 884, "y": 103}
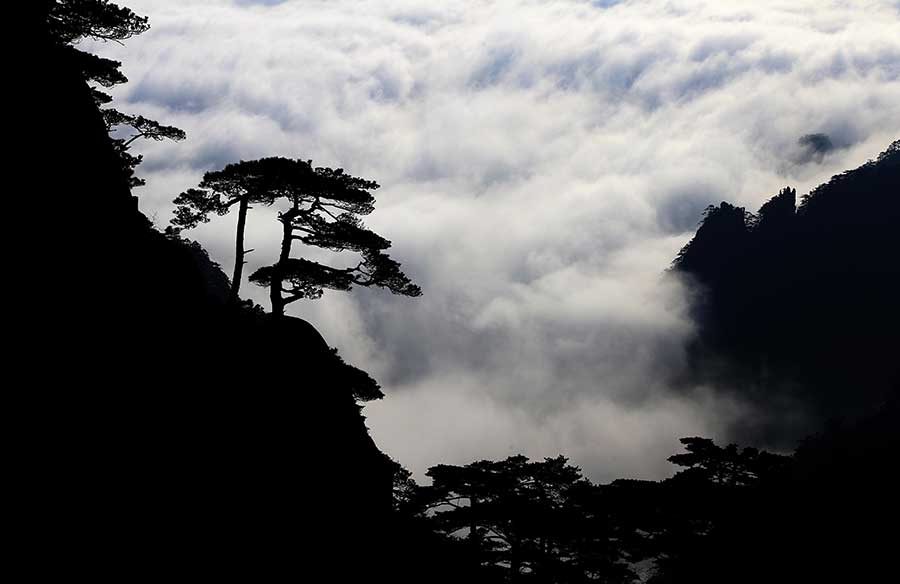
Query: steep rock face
{"x": 169, "y": 433}
{"x": 796, "y": 308}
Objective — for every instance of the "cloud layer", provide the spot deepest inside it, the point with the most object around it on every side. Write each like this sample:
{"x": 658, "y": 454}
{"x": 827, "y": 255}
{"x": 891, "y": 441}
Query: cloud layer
{"x": 541, "y": 163}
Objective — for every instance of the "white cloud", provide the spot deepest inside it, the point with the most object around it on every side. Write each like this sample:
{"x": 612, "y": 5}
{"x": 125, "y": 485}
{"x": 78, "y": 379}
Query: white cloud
{"x": 540, "y": 162}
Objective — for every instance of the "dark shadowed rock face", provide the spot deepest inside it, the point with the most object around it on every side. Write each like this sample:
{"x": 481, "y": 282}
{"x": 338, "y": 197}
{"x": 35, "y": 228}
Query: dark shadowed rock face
{"x": 796, "y": 307}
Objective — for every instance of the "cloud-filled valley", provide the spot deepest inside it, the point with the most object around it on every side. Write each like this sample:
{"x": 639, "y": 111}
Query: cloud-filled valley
{"x": 540, "y": 163}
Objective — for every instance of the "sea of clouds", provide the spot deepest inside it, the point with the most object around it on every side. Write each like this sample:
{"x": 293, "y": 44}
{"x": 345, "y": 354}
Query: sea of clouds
{"x": 541, "y": 164}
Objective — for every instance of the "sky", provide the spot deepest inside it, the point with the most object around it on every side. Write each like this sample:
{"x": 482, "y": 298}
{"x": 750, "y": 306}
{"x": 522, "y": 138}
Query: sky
{"x": 540, "y": 163}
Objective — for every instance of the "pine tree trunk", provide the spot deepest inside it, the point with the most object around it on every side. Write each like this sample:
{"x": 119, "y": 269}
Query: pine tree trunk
{"x": 474, "y": 540}
{"x": 275, "y": 287}
{"x": 239, "y": 250}
{"x": 515, "y": 561}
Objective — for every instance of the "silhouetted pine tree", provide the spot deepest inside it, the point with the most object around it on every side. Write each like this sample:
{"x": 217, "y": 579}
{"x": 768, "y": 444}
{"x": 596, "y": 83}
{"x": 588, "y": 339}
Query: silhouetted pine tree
{"x": 527, "y": 521}
{"x": 324, "y": 208}
{"x": 324, "y": 205}
{"x": 242, "y": 183}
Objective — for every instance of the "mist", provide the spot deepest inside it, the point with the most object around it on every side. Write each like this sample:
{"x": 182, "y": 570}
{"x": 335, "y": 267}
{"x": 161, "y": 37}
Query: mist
{"x": 541, "y": 164}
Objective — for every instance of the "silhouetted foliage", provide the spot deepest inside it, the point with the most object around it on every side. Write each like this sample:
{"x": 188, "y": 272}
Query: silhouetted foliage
{"x": 541, "y": 521}
{"x": 729, "y": 466}
{"x": 70, "y": 21}
{"x": 823, "y": 517}
{"x": 104, "y": 72}
{"x": 404, "y": 489}
{"x": 526, "y": 521}
{"x": 242, "y": 183}
{"x": 323, "y": 208}
{"x": 324, "y": 204}
{"x": 141, "y": 128}
{"x": 358, "y": 382}
{"x": 215, "y": 282}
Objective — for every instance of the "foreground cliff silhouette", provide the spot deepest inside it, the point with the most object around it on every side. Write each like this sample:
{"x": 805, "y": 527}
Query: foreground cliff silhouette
{"x": 176, "y": 434}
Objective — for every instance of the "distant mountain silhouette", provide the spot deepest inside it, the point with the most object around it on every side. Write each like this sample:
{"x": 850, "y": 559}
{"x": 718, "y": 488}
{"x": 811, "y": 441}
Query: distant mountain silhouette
{"x": 797, "y": 307}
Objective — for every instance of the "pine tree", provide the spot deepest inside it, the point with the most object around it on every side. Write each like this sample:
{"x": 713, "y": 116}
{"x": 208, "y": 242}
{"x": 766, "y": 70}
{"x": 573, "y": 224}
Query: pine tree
{"x": 325, "y": 205}
{"x": 242, "y": 183}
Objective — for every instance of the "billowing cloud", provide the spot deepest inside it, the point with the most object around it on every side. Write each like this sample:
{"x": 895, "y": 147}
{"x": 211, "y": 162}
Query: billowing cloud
{"x": 262, "y": 2}
{"x": 541, "y": 163}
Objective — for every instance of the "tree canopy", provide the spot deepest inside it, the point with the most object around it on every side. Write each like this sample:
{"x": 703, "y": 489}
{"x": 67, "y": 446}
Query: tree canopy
{"x": 541, "y": 521}
{"x": 242, "y": 183}
{"x": 70, "y": 21}
{"x": 322, "y": 210}
{"x": 527, "y": 520}
{"x": 730, "y": 466}
{"x": 324, "y": 206}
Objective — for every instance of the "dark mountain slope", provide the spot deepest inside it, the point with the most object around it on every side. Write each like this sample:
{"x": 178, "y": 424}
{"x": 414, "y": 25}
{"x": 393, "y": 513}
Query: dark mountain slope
{"x": 797, "y": 307}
